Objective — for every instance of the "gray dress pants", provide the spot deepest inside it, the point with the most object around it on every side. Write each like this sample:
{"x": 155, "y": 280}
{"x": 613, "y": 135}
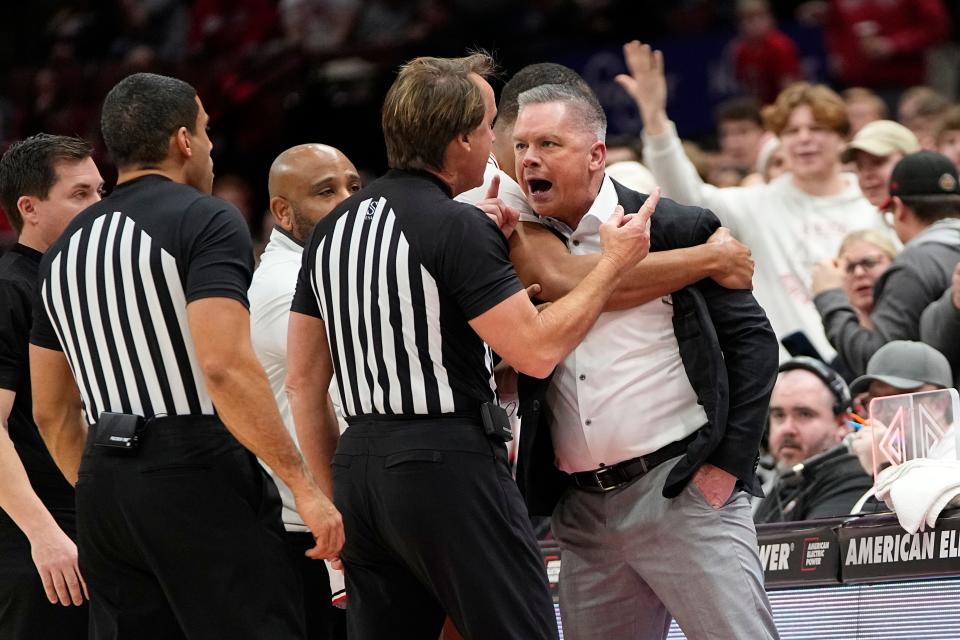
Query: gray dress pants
{"x": 632, "y": 559}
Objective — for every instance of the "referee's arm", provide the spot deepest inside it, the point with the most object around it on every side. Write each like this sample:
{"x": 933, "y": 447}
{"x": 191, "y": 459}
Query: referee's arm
{"x": 57, "y": 409}
{"x": 309, "y": 372}
{"x": 243, "y": 398}
{"x": 52, "y": 550}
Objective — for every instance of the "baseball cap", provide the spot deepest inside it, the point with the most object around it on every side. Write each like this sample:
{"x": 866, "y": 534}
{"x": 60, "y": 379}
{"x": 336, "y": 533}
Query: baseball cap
{"x": 905, "y": 365}
{"x": 925, "y": 173}
{"x": 881, "y": 138}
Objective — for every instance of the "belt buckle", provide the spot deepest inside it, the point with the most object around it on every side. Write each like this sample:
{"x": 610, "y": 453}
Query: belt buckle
{"x": 616, "y": 479}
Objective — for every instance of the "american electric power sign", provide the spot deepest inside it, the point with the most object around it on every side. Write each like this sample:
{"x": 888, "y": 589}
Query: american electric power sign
{"x": 856, "y": 551}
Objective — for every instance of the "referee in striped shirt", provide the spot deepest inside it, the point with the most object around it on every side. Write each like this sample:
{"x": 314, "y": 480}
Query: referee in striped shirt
{"x": 143, "y": 299}
{"x": 400, "y": 293}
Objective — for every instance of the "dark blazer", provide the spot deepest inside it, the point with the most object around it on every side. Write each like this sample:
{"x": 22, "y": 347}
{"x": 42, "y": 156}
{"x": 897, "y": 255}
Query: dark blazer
{"x": 728, "y": 350}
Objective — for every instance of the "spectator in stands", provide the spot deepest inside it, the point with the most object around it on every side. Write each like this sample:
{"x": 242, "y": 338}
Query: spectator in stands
{"x": 882, "y": 44}
{"x": 863, "y": 106}
{"x": 940, "y": 324}
{"x": 948, "y": 136}
{"x": 875, "y": 150}
{"x": 791, "y": 224}
{"x": 864, "y": 256}
{"x": 809, "y": 413}
{"x": 740, "y": 132}
{"x": 765, "y": 59}
{"x": 896, "y": 368}
{"x": 921, "y": 109}
{"x": 926, "y": 217}
{"x": 318, "y": 26}
{"x": 624, "y": 166}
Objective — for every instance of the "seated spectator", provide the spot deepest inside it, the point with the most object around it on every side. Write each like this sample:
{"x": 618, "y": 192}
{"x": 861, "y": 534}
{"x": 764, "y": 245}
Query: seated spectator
{"x": 898, "y": 367}
{"x": 818, "y": 477}
{"x": 740, "y": 132}
{"x": 940, "y": 324}
{"x": 790, "y": 224}
{"x": 765, "y": 59}
{"x": 921, "y": 110}
{"x": 875, "y": 150}
{"x": 882, "y": 44}
{"x": 926, "y": 217}
{"x": 624, "y": 165}
{"x": 863, "y": 106}
{"x": 948, "y": 136}
{"x": 864, "y": 256}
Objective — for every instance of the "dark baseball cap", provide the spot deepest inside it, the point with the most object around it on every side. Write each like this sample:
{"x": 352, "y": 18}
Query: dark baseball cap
{"x": 906, "y": 365}
{"x": 924, "y": 173}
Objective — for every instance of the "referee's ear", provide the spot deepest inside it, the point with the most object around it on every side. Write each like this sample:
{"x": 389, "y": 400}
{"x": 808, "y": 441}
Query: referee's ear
{"x": 282, "y": 212}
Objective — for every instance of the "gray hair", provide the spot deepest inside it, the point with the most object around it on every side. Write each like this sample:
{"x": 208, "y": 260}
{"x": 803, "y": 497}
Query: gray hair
{"x": 581, "y": 99}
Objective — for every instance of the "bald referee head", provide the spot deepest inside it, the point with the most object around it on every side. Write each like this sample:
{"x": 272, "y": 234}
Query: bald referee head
{"x": 306, "y": 182}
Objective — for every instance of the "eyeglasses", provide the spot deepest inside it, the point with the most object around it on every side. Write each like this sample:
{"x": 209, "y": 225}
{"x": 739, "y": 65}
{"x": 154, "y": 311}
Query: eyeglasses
{"x": 867, "y": 263}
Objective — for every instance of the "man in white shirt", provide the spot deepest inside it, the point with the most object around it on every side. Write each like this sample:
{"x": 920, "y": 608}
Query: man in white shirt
{"x": 306, "y": 183}
{"x": 650, "y": 428}
{"x": 792, "y": 223}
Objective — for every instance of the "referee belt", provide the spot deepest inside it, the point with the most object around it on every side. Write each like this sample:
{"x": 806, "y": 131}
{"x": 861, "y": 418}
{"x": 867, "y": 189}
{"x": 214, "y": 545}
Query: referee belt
{"x": 616, "y": 475}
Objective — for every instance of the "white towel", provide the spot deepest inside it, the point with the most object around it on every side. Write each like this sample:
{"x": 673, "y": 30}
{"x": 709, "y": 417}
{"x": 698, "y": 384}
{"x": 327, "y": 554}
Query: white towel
{"x": 918, "y": 490}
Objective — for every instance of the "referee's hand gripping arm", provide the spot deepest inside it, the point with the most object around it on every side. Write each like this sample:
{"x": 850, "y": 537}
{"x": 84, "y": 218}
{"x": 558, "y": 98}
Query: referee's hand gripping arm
{"x": 309, "y": 372}
{"x": 52, "y": 550}
{"x": 243, "y": 399}
{"x": 533, "y": 340}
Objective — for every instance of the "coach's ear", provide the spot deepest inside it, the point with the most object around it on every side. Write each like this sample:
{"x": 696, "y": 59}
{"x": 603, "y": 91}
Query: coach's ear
{"x": 282, "y": 212}
{"x": 598, "y": 156}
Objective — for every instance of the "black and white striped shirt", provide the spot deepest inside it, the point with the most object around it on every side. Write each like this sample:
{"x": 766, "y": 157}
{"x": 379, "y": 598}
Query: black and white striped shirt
{"x": 114, "y": 290}
{"x": 396, "y": 272}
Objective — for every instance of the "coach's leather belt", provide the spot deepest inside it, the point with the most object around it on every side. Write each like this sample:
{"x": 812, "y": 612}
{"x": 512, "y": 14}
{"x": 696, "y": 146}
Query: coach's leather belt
{"x": 616, "y": 475}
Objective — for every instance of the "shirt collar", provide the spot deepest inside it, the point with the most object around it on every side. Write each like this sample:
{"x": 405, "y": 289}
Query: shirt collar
{"x": 27, "y": 252}
{"x": 283, "y": 240}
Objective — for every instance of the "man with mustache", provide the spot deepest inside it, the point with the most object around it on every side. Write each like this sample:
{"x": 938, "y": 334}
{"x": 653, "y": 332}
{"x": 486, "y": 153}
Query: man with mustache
{"x": 809, "y": 413}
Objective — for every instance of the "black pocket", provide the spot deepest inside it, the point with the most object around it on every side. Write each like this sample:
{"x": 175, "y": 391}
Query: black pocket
{"x": 412, "y": 460}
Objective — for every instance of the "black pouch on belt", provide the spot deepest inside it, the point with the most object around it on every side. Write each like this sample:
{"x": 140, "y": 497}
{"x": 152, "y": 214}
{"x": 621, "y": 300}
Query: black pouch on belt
{"x": 496, "y": 423}
{"x": 118, "y": 431}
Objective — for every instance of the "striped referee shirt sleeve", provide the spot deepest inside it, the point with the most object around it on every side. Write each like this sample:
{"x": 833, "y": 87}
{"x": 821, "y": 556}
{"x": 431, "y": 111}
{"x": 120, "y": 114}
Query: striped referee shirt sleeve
{"x": 471, "y": 262}
{"x": 220, "y": 263}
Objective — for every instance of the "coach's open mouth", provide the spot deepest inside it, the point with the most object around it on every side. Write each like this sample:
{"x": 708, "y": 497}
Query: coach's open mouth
{"x": 538, "y": 186}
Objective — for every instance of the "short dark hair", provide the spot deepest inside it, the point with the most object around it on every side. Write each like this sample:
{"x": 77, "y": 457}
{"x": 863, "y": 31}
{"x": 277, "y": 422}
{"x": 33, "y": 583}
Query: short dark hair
{"x": 432, "y": 101}
{"x": 933, "y": 207}
{"x": 529, "y": 77}
{"x": 29, "y": 168}
{"x": 141, "y": 113}
{"x": 736, "y": 109}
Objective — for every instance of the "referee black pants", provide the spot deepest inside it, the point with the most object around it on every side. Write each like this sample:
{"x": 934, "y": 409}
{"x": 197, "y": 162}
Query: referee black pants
{"x": 182, "y": 539}
{"x": 25, "y": 612}
{"x": 435, "y": 525}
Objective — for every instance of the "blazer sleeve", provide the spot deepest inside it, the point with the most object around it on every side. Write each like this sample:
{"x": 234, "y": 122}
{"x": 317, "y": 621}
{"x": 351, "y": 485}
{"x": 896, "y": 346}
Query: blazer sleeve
{"x": 751, "y": 356}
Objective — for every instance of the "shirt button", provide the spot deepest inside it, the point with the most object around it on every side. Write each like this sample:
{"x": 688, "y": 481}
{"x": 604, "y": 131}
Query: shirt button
{"x": 588, "y": 422}
{"x": 583, "y": 376}
{"x": 536, "y": 405}
{"x": 576, "y": 243}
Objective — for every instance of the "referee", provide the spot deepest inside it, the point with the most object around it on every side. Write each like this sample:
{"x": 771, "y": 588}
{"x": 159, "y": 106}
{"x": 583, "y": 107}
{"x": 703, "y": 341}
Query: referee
{"x": 400, "y": 292}
{"x": 144, "y": 301}
{"x": 45, "y": 181}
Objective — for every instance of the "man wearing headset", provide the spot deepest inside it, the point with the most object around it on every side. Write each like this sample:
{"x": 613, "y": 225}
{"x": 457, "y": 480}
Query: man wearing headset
{"x": 817, "y": 475}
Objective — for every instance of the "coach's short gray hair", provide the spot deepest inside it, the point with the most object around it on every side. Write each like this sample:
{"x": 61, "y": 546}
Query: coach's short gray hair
{"x": 582, "y": 99}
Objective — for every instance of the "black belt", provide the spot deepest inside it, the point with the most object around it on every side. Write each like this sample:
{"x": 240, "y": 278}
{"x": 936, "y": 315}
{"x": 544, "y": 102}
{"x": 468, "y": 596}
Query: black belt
{"x": 615, "y": 476}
